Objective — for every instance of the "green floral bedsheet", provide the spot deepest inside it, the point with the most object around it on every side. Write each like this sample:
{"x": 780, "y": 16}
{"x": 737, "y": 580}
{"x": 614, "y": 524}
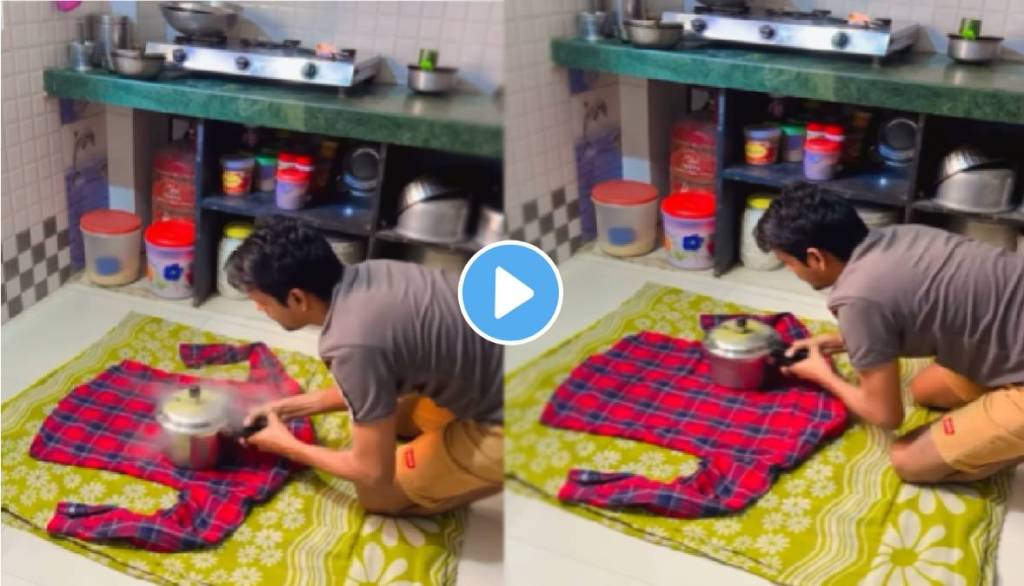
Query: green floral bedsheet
{"x": 843, "y": 517}
{"x": 313, "y": 532}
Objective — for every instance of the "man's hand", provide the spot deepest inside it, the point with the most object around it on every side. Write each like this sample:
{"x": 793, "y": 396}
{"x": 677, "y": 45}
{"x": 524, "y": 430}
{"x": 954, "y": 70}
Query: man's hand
{"x": 827, "y": 344}
{"x": 274, "y": 438}
{"x": 311, "y": 403}
{"x": 815, "y": 368}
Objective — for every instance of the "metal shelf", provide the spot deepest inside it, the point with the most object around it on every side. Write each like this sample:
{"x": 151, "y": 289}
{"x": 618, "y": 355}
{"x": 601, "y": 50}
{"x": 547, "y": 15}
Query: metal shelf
{"x": 880, "y": 186}
{"x": 340, "y": 217}
{"x": 1015, "y": 217}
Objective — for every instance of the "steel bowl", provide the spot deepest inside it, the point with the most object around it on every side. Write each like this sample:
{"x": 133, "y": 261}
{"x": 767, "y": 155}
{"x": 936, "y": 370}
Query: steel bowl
{"x": 440, "y": 80}
{"x": 136, "y": 64}
{"x": 490, "y": 226}
{"x": 962, "y": 159}
{"x": 660, "y": 36}
{"x": 439, "y": 220}
{"x": 974, "y": 51}
{"x": 201, "y": 19}
{"x": 984, "y": 191}
{"x": 192, "y": 420}
{"x": 422, "y": 189}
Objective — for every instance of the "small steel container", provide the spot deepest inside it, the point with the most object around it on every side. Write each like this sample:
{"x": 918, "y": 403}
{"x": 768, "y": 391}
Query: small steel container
{"x": 192, "y": 420}
{"x": 440, "y": 80}
{"x": 739, "y": 351}
{"x": 975, "y": 51}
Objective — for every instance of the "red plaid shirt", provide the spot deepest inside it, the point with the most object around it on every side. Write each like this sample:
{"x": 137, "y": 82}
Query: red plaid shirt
{"x": 109, "y": 423}
{"x": 657, "y": 389}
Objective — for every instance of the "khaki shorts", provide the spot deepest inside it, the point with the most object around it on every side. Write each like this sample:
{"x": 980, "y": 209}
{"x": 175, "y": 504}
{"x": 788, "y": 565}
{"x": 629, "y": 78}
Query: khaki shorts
{"x": 448, "y": 458}
{"x": 986, "y": 432}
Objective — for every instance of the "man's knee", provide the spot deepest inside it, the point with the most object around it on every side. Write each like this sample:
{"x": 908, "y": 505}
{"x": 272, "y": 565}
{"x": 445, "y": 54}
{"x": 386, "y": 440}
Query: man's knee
{"x": 930, "y": 389}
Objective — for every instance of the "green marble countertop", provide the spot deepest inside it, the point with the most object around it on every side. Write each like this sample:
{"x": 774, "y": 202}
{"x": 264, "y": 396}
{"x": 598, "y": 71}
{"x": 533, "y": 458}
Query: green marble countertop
{"x": 914, "y": 82}
{"x": 462, "y": 123}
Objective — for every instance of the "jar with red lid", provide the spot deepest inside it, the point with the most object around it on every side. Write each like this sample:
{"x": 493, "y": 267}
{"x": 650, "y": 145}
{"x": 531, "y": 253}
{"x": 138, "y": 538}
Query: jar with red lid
{"x": 627, "y": 216}
{"x": 821, "y": 157}
{"x": 291, "y": 191}
{"x": 815, "y": 130}
{"x": 689, "y": 219}
{"x": 170, "y": 253}
{"x": 113, "y": 246}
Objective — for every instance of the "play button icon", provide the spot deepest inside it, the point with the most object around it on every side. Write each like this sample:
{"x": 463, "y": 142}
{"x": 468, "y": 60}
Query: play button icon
{"x": 510, "y": 292}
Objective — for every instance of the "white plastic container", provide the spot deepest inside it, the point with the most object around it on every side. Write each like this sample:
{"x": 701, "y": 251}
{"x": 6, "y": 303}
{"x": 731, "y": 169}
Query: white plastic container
{"x": 170, "y": 253}
{"x": 750, "y": 255}
{"x": 113, "y": 246}
{"x": 234, "y": 234}
{"x": 689, "y": 218}
{"x": 627, "y": 216}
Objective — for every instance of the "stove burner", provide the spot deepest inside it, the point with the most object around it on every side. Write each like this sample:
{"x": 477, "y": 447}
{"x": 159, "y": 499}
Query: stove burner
{"x": 286, "y": 47}
{"x": 723, "y": 10}
{"x": 216, "y": 41}
{"x": 799, "y": 15}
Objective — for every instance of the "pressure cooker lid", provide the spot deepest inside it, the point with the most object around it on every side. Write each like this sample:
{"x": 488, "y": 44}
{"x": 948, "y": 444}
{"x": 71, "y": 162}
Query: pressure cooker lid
{"x": 193, "y": 409}
{"x": 742, "y": 337}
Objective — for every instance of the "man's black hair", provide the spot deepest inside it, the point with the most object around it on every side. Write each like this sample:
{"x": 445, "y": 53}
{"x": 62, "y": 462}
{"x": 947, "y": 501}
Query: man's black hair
{"x": 803, "y": 217}
{"x": 282, "y": 254}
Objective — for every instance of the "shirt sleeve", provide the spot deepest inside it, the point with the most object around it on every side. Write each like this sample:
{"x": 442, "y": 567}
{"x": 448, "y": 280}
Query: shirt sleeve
{"x": 367, "y": 381}
{"x": 869, "y": 333}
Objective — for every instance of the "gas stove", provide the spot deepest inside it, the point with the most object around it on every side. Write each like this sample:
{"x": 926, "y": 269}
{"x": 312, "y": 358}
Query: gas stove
{"x": 285, "y": 61}
{"x": 816, "y": 30}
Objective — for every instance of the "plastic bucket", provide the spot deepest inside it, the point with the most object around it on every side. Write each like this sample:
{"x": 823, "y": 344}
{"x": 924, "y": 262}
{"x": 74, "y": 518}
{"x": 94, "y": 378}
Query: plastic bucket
{"x": 627, "y": 217}
{"x": 170, "y": 253}
{"x": 689, "y": 218}
{"x": 113, "y": 246}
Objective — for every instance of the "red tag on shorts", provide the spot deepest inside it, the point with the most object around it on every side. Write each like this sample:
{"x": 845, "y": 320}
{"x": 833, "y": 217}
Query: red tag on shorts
{"x": 410, "y": 459}
{"x": 947, "y": 426}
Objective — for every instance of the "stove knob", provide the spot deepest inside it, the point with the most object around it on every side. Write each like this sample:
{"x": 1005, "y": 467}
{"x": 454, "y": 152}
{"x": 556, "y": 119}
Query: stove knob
{"x": 767, "y": 31}
{"x": 309, "y": 71}
{"x": 242, "y": 62}
{"x": 840, "y": 40}
{"x": 179, "y": 55}
{"x": 698, "y": 25}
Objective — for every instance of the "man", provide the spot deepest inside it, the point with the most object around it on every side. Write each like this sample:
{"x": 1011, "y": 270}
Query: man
{"x": 405, "y": 362}
{"x": 913, "y": 291}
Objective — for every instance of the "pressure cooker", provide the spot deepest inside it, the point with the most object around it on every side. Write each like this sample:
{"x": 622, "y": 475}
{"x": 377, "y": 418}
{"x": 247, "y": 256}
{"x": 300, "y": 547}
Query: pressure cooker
{"x": 742, "y": 350}
{"x": 195, "y": 420}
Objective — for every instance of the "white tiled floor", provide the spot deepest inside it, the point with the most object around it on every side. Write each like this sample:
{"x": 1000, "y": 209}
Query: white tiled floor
{"x": 548, "y": 546}
{"x": 63, "y": 324}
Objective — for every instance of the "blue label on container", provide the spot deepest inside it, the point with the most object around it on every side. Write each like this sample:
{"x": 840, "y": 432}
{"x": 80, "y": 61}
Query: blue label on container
{"x": 107, "y": 265}
{"x": 621, "y": 235}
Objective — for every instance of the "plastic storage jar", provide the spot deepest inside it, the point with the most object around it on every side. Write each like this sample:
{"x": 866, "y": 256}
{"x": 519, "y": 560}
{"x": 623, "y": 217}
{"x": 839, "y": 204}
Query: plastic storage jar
{"x": 234, "y": 234}
{"x": 304, "y": 163}
{"x": 237, "y": 174}
{"x": 820, "y": 159}
{"x": 266, "y": 173}
{"x": 285, "y": 161}
{"x": 815, "y": 130}
{"x": 113, "y": 246}
{"x": 762, "y": 146}
{"x": 627, "y": 216}
{"x": 793, "y": 142}
{"x": 170, "y": 252}
{"x": 689, "y": 218}
{"x": 835, "y": 133}
{"x": 693, "y": 162}
{"x": 750, "y": 255}
{"x": 291, "y": 189}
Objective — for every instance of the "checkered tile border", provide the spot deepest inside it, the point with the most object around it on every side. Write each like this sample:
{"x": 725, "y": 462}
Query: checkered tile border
{"x": 551, "y": 223}
{"x": 38, "y": 262}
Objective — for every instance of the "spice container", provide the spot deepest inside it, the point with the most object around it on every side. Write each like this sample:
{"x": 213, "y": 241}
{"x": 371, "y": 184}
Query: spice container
{"x": 689, "y": 218}
{"x": 234, "y": 234}
{"x": 693, "y": 162}
{"x": 762, "y": 146}
{"x": 793, "y": 142}
{"x": 751, "y": 256}
{"x": 835, "y": 133}
{"x": 236, "y": 177}
{"x": 324, "y": 167}
{"x": 292, "y": 185}
{"x": 820, "y": 159}
{"x": 815, "y": 130}
{"x": 266, "y": 172}
{"x": 853, "y": 150}
{"x": 627, "y": 216}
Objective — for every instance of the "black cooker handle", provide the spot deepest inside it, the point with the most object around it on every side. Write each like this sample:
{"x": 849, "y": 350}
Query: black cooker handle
{"x": 780, "y": 358}
{"x": 256, "y": 425}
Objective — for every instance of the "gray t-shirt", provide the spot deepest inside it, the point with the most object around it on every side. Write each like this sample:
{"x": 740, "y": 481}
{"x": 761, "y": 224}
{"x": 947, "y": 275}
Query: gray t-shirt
{"x": 917, "y": 291}
{"x": 395, "y": 328}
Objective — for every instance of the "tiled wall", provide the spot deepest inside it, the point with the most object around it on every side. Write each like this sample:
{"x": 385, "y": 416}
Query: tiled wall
{"x": 469, "y": 35}
{"x": 36, "y": 152}
{"x": 541, "y": 194}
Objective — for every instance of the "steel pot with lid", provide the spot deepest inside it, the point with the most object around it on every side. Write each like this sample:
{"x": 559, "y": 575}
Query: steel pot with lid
{"x": 740, "y": 350}
{"x": 192, "y": 419}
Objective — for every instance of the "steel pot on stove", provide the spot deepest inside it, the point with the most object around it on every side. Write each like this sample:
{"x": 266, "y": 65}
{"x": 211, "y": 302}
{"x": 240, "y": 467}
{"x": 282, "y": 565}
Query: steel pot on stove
{"x": 740, "y": 351}
{"x": 192, "y": 420}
